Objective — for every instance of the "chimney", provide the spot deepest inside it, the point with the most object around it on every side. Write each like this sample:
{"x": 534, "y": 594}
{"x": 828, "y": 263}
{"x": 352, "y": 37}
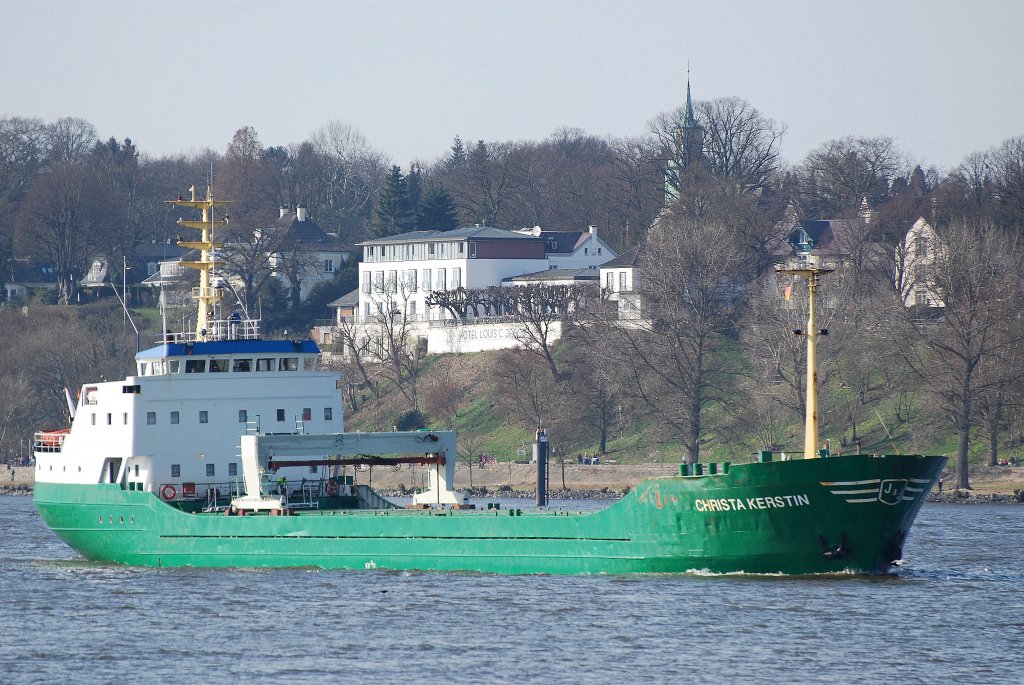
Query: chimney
{"x": 284, "y": 210}
{"x": 300, "y": 213}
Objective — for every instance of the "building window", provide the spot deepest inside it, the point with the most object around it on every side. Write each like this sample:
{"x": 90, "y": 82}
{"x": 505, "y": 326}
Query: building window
{"x": 411, "y": 280}
{"x": 280, "y": 414}
{"x": 622, "y": 280}
{"x": 412, "y": 309}
{"x": 921, "y": 247}
{"x": 175, "y": 470}
{"x": 243, "y": 416}
{"x": 210, "y": 470}
{"x": 427, "y": 282}
{"x": 366, "y": 310}
{"x": 462, "y": 249}
{"x": 456, "y": 277}
{"x": 152, "y": 268}
{"x": 175, "y": 417}
{"x": 472, "y": 250}
{"x": 232, "y": 469}
{"x": 328, "y": 266}
{"x": 392, "y": 281}
{"x": 307, "y": 414}
{"x": 921, "y": 298}
{"x": 441, "y": 280}
{"x": 609, "y": 281}
{"x": 378, "y": 281}
{"x": 204, "y": 416}
{"x": 328, "y": 414}
{"x": 365, "y": 287}
{"x": 150, "y": 418}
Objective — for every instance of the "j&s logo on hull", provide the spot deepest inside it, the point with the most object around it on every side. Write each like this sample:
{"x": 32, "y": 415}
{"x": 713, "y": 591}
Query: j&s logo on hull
{"x": 889, "y": 491}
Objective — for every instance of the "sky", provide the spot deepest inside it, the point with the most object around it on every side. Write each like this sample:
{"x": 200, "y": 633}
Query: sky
{"x": 940, "y": 77}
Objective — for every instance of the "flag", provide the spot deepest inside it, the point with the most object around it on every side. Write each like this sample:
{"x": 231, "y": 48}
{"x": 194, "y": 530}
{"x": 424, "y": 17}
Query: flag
{"x": 789, "y": 291}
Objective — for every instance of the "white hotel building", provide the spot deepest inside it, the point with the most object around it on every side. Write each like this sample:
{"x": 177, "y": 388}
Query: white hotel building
{"x": 398, "y": 273}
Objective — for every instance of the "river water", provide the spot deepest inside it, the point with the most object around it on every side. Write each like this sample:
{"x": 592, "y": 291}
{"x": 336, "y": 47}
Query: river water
{"x": 953, "y": 613}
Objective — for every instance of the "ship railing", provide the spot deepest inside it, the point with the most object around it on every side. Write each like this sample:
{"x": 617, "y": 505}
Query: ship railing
{"x": 49, "y": 441}
{"x": 231, "y": 328}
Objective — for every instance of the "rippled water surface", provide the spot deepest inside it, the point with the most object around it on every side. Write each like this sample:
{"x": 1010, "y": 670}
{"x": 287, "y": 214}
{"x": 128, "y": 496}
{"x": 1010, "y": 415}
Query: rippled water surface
{"x": 953, "y": 613}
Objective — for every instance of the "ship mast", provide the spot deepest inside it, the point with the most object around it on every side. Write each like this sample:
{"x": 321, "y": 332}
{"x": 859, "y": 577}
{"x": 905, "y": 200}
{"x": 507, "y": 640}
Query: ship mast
{"x": 810, "y": 269}
{"x": 206, "y": 296}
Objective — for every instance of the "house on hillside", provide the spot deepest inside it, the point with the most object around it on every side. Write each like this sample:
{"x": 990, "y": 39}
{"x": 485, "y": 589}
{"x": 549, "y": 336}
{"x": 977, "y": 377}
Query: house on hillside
{"x": 572, "y": 249}
{"x": 915, "y": 257}
{"x": 26, "y": 278}
{"x": 620, "y": 284}
{"x": 398, "y": 274}
{"x": 142, "y": 265}
{"x": 301, "y": 254}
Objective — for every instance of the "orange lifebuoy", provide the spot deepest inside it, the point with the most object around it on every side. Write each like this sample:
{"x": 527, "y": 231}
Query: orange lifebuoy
{"x": 331, "y": 488}
{"x": 168, "y": 491}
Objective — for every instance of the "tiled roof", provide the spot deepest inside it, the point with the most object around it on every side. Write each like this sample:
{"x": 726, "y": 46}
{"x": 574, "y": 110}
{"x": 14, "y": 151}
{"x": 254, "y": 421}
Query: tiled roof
{"x": 626, "y": 259}
{"x": 305, "y": 236}
{"x": 350, "y": 299}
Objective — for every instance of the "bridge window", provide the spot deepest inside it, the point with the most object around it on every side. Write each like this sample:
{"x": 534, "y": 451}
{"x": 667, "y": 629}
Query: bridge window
{"x": 195, "y": 366}
{"x": 175, "y": 417}
{"x": 265, "y": 364}
{"x": 150, "y": 418}
{"x": 289, "y": 364}
{"x": 218, "y": 365}
{"x": 204, "y": 416}
{"x": 174, "y": 366}
{"x": 241, "y": 365}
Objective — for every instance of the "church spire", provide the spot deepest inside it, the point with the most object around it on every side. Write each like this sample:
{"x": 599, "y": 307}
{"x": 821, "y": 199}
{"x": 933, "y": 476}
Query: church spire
{"x": 688, "y": 120}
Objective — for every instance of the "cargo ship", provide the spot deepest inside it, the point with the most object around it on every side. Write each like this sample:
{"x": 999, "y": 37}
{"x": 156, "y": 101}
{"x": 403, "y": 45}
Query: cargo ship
{"x": 229, "y": 450}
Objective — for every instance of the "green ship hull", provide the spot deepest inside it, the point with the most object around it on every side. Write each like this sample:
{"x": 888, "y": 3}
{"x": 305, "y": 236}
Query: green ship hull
{"x": 830, "y": 515}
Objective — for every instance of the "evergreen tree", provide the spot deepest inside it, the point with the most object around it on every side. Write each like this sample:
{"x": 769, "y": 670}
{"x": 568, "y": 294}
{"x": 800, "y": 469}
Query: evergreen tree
{"x": 437, "y": 210}
{"x": 457, "y": 157}
{"x": 414, "y": 186}
{"x": 394, "y": 214}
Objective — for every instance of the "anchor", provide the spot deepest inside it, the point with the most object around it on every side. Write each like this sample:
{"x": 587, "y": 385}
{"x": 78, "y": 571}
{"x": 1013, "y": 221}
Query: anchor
{"x": 836, "y": 552}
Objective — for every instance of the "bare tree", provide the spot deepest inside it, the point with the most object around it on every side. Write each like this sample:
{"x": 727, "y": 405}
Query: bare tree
{"x": 674, "y": 362}
{"x": 966, "y": 351}
{"x": 838, "y": 175}
{"x": 63, "y": 220}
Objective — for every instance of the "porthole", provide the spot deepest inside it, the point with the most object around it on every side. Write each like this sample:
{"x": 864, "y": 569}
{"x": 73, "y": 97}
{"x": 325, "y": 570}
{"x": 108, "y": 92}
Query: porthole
{"x": 101, "y": 520}
{"x": 131, "y": 520}
{"x": 122, "y": 519}
{"x": 111, "y": 518}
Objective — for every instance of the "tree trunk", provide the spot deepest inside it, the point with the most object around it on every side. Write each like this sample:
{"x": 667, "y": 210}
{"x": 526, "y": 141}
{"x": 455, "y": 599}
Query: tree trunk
{"x": 964, "y": 431}
{"x": 993, "y": 441}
